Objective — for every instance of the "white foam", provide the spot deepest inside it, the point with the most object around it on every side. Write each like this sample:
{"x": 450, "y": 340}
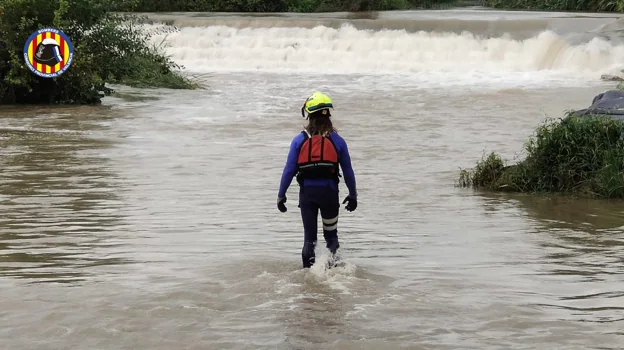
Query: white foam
{"x": 338, "y": 278}
{"x": 346, "y": 50}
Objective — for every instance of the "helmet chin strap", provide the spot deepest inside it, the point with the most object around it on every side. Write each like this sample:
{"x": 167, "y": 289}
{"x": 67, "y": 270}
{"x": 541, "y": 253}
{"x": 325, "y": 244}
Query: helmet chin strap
{"x": 303, "y": 111}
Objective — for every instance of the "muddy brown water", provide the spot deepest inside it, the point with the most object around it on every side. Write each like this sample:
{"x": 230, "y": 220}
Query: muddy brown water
{"x": 150, "y": 222}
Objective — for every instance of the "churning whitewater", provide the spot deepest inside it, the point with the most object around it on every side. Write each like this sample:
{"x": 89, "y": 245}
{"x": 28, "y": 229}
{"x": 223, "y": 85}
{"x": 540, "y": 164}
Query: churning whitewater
{"x": 347, "y": 50}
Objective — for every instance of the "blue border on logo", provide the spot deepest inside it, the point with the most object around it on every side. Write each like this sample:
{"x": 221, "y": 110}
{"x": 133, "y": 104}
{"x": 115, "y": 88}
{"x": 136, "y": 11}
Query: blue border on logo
{"x": 69, "y": 45}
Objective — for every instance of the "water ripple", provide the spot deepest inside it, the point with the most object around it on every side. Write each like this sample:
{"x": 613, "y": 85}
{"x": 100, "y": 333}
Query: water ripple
{"x": 160, "y": 222}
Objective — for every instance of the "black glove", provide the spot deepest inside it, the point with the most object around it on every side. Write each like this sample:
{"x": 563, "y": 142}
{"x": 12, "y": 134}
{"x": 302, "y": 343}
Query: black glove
{"x": 280, "y": 204}
{"x": 352, "y": 203}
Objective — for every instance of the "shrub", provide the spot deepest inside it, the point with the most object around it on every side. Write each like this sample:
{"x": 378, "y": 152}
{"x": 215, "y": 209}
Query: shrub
{"x": 108, "y": 47}
{"x": 579, "y": 156}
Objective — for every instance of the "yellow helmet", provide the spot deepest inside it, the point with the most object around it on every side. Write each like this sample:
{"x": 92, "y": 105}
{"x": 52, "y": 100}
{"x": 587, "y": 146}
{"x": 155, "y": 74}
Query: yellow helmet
{"x": 316, "y": 102}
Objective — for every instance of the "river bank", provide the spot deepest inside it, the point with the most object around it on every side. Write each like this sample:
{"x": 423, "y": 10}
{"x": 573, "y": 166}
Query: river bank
{"x": 316, "y": 6}
{"x": 301, "y": 6}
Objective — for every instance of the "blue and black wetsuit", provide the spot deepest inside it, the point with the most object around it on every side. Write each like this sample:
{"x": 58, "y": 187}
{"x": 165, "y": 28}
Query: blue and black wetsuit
{"x": 318, "y": 194}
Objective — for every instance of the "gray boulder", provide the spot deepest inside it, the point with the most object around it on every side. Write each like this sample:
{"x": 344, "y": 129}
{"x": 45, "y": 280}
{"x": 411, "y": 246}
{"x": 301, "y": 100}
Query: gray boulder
{"x": 610, "y": 103}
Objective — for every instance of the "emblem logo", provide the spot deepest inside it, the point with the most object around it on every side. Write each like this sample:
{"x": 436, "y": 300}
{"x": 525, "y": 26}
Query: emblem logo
{"x": 48, "y": 52}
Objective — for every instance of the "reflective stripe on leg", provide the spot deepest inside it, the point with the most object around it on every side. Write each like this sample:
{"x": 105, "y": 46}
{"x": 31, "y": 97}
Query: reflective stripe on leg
{"x": 330, "y": 224}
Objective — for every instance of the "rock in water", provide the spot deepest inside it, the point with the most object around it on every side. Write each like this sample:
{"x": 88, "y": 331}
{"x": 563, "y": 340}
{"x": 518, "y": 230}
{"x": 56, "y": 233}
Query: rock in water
{"x": 609, "y": 77}
{"x": 610, "y": 102}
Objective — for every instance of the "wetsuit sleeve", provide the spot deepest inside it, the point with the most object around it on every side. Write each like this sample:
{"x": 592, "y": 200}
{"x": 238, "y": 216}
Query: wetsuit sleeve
{"x": 347, "y": 169}
{"x": 290, "y": 169}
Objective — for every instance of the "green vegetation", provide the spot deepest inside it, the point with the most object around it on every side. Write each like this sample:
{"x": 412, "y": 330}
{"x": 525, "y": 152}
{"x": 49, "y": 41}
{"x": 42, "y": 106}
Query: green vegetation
{"x": 109, "y": 48}
{"x": 580, "y": 156}
{"x": 286, "y": 5}
{"x": 360, "y": 5}
{"x": 558, "y": 5}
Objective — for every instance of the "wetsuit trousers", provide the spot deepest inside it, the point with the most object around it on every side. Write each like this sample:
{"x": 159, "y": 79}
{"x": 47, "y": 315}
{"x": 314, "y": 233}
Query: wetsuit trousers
{"x": 313, "y": 199}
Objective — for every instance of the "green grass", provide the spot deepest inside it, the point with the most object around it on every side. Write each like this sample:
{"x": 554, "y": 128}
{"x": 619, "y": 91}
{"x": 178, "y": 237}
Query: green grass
{"x": 579, "y": 157}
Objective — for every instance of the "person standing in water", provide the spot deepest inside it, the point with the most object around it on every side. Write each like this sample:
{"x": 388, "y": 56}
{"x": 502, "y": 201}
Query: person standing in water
{"x": 314, "y": 157}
